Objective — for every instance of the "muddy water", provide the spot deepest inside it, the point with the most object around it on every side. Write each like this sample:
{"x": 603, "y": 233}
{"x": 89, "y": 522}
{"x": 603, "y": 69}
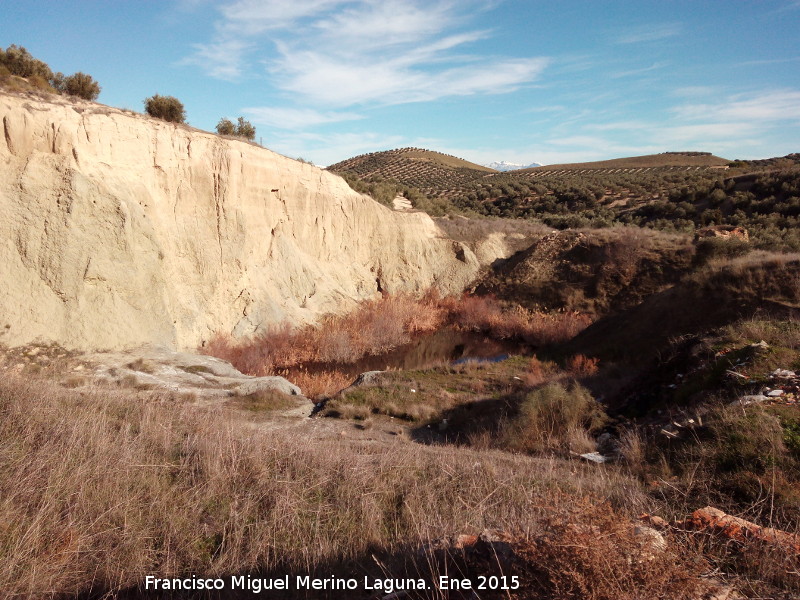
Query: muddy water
{"x": 445, "y": 346}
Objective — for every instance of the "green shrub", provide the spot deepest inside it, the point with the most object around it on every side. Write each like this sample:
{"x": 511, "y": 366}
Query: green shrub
{"x": 245, "y": 129}
{"x": 20, "y": 62}
{"x": 242, "y": 128}
{"x": 81, "y": 85}
{"x": 750, "y": 440}
{"x": 720, "y": 247}
{"x": 226, "y": 127}
{"x": 167, "y": 108}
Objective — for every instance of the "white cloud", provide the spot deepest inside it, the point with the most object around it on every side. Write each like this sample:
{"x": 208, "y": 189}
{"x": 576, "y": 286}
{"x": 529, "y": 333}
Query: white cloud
{"x": 619, "y": 125}
{"x": 778, "y": 105}
{"x": 252, "y": 17}
{"x": 653, "y": 67}
{"x": 708, "y": 133}
{"x": 296, "y": 118}
{"x": 384, "y": 24}
{"x": 360, "y": 52}
{"x": 693, "y": 90}
{"x": 327, "y": 149}
{"x": 773, "y": 61}
{"x": 649, "y": 33}
{"x": 221, "y": 59}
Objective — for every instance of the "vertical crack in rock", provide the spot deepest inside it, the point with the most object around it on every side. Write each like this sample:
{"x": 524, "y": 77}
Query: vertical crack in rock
{"x": 7, "y": 134}
{"x": 219, "y": 163}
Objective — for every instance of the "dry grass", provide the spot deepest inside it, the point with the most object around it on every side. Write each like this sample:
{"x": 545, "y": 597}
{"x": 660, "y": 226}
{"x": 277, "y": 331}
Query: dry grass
{"x": 99, "y": 490}
{"x": 318, "y": 383}
{"x": 375, "y": 328}
{"x": 590, "y": 553}
{"x": 554, "y": 418}
{"x": 776, "y": 332}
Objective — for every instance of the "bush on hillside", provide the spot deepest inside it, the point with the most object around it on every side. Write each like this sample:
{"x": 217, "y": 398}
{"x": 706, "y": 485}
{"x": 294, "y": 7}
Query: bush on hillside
{"x": 242, "y": 128}
{"x": 80, "y": 84}
{"x": 245, "y": 129}
{"x": 225, "y": 127}
{"x": 167, "y": 108}
{"x": 16, "y": 60}
{"x": 20, "y": 62}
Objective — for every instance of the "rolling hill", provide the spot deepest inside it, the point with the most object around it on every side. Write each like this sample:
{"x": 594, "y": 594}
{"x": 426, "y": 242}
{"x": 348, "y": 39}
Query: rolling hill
{"x": 434, "y": 173}
{"x": 663, "y": 160}
{"x": 441, "y": 175}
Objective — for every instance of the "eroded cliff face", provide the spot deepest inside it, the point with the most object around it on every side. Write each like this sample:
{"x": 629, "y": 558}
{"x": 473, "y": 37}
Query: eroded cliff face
{"x": 119, "y": 230}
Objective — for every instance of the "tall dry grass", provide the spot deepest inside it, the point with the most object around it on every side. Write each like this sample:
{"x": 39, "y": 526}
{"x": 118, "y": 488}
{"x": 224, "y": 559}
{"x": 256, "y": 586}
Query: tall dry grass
{"x": 554, "y": 417}
{"x": 311, "y": 353}
{"x": 99, "y": 489}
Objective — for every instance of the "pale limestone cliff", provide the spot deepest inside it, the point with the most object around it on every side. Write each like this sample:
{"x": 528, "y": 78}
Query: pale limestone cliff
{"x": 118, "y": 230}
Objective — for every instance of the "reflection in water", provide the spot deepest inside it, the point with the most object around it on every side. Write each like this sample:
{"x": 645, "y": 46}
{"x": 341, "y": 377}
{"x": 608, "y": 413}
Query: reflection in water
{"x": 441, "y": 347}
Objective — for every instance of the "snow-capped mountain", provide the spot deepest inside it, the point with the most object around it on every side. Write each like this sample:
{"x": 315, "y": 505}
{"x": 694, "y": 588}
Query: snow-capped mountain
{"x": 507, "y": 166}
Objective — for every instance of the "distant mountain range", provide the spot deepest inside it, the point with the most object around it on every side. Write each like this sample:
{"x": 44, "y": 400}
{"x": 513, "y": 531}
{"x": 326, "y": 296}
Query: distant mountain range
{"x": 508, "y": 166}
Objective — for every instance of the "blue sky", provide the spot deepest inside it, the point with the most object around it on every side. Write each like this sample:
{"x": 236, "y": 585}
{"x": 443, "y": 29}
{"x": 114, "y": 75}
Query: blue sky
{"x": 521, "y": 81}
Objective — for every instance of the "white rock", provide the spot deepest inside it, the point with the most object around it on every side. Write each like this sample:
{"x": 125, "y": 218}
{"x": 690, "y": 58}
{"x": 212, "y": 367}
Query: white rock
{"x": 783, "y": 373}
{"x": 754, "y": 399}
{"x": 595, "y": 457}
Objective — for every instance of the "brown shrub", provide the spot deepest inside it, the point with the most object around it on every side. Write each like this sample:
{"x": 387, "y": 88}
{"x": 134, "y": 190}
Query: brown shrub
{"x": 552, "y": 328}
{"x": 591, "y": 553}
{"x": 538, "y": 372}
{"x": 582, "y": 366}
{"x": 318, "y": 384}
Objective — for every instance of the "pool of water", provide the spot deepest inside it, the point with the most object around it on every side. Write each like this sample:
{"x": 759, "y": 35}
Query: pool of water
{"x": 445, "y": 346}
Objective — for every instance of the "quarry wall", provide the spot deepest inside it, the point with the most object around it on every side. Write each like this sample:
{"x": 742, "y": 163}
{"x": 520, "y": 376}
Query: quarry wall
{"x": 118, "y": 230}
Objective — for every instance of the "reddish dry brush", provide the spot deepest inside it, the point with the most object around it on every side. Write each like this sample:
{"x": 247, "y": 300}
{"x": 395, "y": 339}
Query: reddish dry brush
{"x": 582, "y": 366}
{"x": 378, "y": 326}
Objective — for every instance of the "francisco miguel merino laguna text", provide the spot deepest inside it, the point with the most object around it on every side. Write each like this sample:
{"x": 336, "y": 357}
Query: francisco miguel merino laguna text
{"x": 302, "y": 582}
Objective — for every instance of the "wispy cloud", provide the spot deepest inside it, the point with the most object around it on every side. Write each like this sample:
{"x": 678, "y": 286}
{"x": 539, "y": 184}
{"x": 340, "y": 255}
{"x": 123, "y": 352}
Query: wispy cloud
{"x": 728, "y": 125}
{"x": 691, "y": 91}
{"x": 649, "y": 33}
{"x": 653, "y": 67}
{"x": 343, "y": 53}
{"x": 327, "y": 80}
{"x": 793, "y": 5}
{"x": 329, "y": 148}
{"x": 221, "y": 59}
{"x": 252, "y": 17}
{"x": 772, "y": 61}
{"x": 296, "y": 118}
{"x": 777, "y": 105}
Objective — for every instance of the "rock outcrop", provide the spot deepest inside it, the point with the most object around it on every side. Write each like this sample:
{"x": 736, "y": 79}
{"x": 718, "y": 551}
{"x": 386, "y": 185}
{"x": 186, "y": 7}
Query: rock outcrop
{"x": 118, "y": 230}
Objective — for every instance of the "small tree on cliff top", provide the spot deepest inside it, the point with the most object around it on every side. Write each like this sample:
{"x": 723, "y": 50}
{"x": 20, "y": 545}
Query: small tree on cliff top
{"x": 245, "y": 129}
{"x": 226, "y": 127}
{"x": 168, "y": 108}
{"x": 20, "y": 62}
{"x": 81, "y": 85}
{"x": 242, "y": 128}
